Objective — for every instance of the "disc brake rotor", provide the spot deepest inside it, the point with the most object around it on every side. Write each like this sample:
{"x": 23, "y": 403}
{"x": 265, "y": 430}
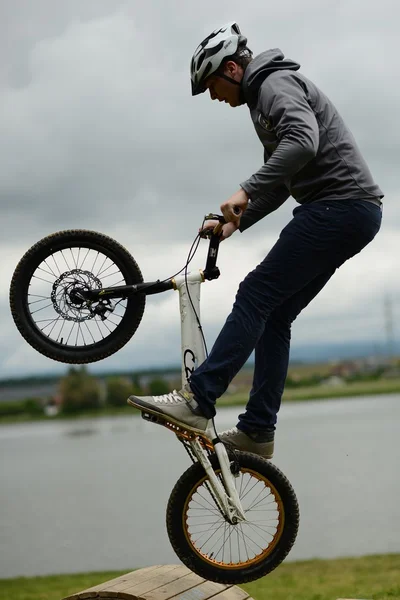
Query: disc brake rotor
{"x": 68, "y": 292}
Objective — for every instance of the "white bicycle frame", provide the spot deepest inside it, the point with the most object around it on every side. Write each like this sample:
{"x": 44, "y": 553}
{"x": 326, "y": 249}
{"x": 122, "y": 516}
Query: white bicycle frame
{"x": 193, "y": 354}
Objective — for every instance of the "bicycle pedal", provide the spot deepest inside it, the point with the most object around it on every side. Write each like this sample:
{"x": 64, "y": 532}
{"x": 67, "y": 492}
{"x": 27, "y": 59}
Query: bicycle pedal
{"x": 152, "y": 418}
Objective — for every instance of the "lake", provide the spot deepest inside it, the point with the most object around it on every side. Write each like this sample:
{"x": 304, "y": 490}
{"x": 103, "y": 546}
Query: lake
{"x": 82, "y": 495}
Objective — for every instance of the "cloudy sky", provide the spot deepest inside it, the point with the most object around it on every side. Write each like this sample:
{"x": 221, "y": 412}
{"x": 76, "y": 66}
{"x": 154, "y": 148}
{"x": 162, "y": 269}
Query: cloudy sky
{"x": 98, "y": 130}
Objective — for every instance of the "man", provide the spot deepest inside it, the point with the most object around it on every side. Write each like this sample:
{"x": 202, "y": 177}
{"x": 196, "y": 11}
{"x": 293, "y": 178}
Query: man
{"x": 310, "y": 154}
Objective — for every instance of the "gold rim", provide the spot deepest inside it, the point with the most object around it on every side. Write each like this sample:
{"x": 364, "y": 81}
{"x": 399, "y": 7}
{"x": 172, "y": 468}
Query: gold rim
{"x": 216, "y": 541}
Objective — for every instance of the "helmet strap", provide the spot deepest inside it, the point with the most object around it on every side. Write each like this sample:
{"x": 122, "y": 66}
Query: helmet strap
{"x": 223, "y": 76}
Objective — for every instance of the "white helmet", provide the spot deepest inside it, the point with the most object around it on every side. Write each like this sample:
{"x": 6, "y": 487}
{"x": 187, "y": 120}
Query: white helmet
{"x": 220, "y": 44}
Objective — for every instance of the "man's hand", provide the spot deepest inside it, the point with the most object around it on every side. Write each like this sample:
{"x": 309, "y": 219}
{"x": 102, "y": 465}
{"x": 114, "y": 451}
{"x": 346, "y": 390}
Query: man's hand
{"x": 226, "y": 230}
{"x": 233, "y": 208}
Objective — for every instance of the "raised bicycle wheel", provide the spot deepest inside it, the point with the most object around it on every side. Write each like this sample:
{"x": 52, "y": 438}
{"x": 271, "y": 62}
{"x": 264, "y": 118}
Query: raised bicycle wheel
{"x": 45, "y": 302}
{"x": 219, "y": 551}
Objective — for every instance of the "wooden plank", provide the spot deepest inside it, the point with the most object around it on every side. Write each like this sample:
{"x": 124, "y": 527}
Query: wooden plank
{"x": 137, "y": 575}
{"x": 173, "y": 589}
{"x": 158, "y": 581}
{"x": 233, "y": 593}
{"x": 204, "y": 591}
{"x": 128, "y": 579}
{"x": 155, "y": 579}
{"x": 165, "y": 573}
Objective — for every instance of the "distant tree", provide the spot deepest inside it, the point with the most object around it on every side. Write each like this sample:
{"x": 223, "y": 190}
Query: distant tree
{"x": 158, "y": 386}
{"x": 136, "y": 386}
{"x": 79, "y": 391}
{"x": 33, "y": 406}
{"x": 117, "y": 391}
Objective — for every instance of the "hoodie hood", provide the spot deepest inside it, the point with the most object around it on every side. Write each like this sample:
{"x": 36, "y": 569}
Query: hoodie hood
{"x": 260, "y": 68}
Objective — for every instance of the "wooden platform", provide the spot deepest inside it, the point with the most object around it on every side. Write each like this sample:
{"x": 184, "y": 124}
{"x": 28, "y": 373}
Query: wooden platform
{"x": 168, "y": 582}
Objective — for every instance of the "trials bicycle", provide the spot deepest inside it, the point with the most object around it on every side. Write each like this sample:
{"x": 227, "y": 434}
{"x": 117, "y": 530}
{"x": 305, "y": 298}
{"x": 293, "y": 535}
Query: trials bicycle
{"x": 78, "y": 296}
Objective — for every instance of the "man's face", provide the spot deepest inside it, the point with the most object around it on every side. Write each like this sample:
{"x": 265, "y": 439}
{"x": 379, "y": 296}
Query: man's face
{"x": 223, "y": 90}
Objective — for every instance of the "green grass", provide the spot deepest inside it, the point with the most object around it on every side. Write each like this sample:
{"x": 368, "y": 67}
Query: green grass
{"x": 369, "y": 577}
{"x": 109, "y": 411}
{"x": 321, "y": 392}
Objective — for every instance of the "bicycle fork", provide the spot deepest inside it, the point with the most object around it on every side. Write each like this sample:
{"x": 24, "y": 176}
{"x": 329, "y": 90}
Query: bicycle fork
{"x": 193, "y": 355}
{"x": 227, "y": 498}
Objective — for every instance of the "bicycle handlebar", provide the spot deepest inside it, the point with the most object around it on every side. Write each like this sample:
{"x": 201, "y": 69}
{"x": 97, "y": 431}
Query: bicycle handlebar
{"x": 211, "y": 270}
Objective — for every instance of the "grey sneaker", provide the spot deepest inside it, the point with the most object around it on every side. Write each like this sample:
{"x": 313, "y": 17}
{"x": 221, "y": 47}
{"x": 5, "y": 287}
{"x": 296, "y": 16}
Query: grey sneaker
{"x": 249, "y": 443}
{"x": 179, "y": 408}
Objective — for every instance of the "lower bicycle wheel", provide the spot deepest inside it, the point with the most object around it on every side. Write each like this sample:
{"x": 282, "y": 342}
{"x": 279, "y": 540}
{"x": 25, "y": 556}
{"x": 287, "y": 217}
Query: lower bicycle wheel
{"x": 47, "y": 308}
{"x": 219, "y": 551}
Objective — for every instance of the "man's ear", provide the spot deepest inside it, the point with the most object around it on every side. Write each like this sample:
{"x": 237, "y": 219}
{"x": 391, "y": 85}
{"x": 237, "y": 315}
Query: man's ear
{"x": 230, "y": 66}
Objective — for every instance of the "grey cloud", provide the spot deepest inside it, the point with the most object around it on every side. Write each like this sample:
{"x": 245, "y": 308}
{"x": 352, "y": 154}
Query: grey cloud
{"x": 99, "y": 131}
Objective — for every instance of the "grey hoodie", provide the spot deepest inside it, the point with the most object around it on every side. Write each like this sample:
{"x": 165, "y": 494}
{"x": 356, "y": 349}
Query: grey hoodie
{"x": 309, "y": 153}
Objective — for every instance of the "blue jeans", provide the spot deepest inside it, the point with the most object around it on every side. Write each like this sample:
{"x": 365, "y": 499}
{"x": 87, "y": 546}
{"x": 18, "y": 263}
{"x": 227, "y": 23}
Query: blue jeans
{"x": 319, "y": 239}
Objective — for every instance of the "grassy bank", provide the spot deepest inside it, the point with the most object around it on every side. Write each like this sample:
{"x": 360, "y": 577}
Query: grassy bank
{"x": 315, "y": 392}
{"x": 370, "y": 577}
{"x": 321, "y": 392}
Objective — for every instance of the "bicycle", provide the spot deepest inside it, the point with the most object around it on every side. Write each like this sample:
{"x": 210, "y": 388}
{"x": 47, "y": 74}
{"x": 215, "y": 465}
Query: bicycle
{"x": 232, "y": 516}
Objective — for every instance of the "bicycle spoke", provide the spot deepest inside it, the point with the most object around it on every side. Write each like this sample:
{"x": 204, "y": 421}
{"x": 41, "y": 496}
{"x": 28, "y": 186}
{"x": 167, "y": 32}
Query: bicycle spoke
{"x": 209, "y": 551}
{"x": 95, "y": 260}
{"x": 101, "y": 266}
{"x": 258, "y": 495}
{"x": 36, "y": 301}
{"x": 202, "y": 524}
{"x": 245, "y": 487}
{"x": 250, "y": 540}
{"x": 74, "y": 259}
{"x": 264, "y": 531}
{"x": 39, "y": 309}
{"x": 70, "y": 333}
{"x": 98, "y": 327}
{"x": 212, "y": 535}
{"x": 65, "y": 260}
{"x": 227, "y": 525}
{"x": 40, "y": 279}
{"x": 245, "y": 545}
{"x": 56, "y": 264}
{"x": 54, "y": 324}
{"x": 84, "y": 259}
{"x": 49, "y": 272}
{"x": 205, "y": 499}
{"x": 50, "y": 322}
{"x": 111, "y": 321}
{"x": 60, "y": 332}
{"x": 248, "y": 491}
{"x": 90, "y": 333}
{"x": 237, "y": 535}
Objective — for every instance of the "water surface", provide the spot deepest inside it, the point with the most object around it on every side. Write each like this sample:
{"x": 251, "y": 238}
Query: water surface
{"x": 91, "y": 494}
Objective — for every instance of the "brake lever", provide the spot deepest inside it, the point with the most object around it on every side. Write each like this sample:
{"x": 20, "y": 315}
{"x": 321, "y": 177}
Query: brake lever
{"x": 207, "y": 233}
{"x": 214, "y": 217}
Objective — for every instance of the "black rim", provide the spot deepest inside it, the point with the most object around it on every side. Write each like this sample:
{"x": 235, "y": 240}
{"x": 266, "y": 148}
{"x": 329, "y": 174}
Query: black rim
{"x": 56, "y": 306}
